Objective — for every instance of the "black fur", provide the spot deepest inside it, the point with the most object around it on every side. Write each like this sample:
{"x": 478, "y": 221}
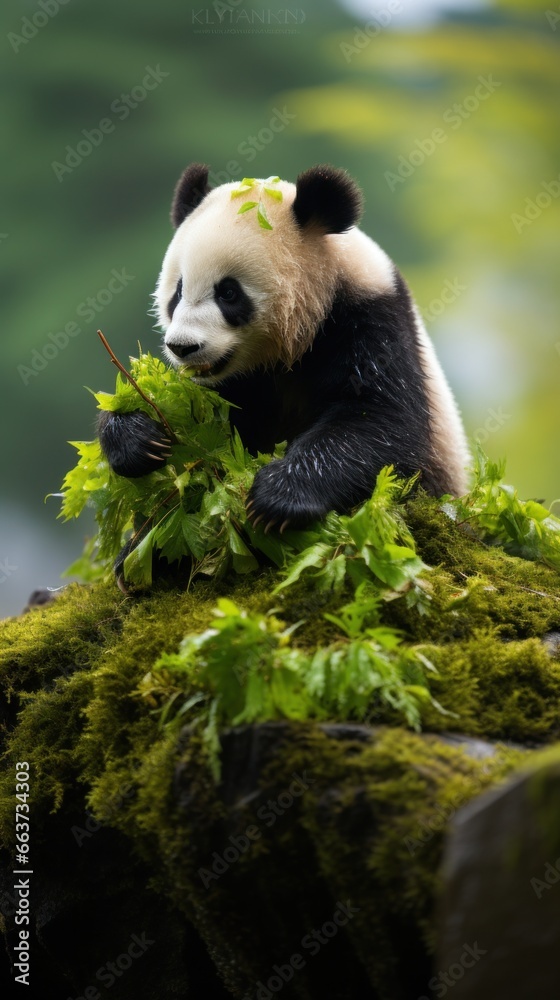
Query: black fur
{"x": 191, "y": 188}
{"x": 133, "y": 443}
{"x": 327, "y": 198}
{"x": 234, "y": 303}
{"x": 345, "y": 415}
{"x": 354, "y": 403}
{"x": 175, "y": 299}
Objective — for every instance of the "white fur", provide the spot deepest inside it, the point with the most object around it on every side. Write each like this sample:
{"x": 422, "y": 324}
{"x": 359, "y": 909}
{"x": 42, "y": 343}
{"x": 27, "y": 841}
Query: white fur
{"x": 291, "y": 275}
{"x": 449, "y": 442}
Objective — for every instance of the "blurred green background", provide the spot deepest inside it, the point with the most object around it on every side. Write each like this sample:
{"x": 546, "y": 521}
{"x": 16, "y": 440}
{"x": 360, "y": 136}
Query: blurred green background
{"x": 447, "y": 119}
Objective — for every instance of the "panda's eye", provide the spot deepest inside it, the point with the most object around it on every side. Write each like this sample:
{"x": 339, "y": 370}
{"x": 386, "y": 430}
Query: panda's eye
{"x": 233, "y": 302}
{"x": 228, "y": 290}
{"x": 174, "y": 301}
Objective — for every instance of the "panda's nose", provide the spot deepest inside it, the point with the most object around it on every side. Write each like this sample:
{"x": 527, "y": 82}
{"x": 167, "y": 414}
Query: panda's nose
{"x": 182, "y": 350}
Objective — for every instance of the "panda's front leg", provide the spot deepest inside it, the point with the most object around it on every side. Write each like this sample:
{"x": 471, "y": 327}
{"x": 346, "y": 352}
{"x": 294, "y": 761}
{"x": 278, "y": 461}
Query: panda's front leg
{"x": 329, "y": 467}
{"x": 133, "y": 443}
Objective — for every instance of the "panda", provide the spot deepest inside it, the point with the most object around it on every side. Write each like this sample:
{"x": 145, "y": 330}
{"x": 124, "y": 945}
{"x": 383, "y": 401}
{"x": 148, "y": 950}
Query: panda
{"x": 271, "y": 294}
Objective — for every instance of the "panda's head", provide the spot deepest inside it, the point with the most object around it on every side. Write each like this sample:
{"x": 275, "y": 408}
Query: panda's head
{"x": 232, "y": 294}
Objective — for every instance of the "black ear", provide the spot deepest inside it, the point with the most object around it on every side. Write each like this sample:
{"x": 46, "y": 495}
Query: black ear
{"x": 327, "y": 198}
{"x": 191, "y": 188}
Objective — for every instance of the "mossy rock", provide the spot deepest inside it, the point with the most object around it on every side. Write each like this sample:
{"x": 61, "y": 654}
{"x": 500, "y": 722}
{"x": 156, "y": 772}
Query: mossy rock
{"x": 128, "y": 821}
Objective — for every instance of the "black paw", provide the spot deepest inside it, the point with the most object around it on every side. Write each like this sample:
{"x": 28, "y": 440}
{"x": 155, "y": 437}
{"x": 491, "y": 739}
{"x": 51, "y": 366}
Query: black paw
{"x": 280, "y": 498}
{"x": 133, "y": 443}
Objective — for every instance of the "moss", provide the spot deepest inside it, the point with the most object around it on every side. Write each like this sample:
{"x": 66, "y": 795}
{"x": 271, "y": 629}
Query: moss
{"x": 68, "y": 634}
{"x": 499, "y": 690}
{"x": 369, "y": 826}
{"x": 367, "y": 829}
{"x": 520, "y": 597}
{"x": 544, "y": 770}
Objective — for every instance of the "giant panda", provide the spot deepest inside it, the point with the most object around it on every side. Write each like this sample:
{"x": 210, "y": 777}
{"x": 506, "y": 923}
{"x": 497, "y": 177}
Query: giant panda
{"x": 305, "y": 324}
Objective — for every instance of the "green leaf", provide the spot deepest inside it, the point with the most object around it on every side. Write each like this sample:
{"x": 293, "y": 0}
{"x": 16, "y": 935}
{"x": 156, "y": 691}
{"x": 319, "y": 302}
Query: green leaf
{"x": 246, "y": 207}
{"x": 243, "y": 560}
{"x": 317, "y": 555}
{"x": 263, "y": 217}
{"x": 246, "y": 184}
{"x": 138, "y": 563}
{"x": 190, "y": 527}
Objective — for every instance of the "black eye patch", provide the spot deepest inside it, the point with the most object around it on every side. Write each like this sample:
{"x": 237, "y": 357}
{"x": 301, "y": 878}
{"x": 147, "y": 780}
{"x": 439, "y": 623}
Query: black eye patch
{"x": 235, "y": 305}
{"x": 174, "y": 302}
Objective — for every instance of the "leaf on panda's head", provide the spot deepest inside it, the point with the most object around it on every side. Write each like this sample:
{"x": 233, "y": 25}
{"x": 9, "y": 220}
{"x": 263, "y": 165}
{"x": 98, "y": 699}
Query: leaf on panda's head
{"x": 246, "y": 207}
{"x": 263, "y": 217}
{"x": 273, "y": 192}
{"x": 246, "y": 185}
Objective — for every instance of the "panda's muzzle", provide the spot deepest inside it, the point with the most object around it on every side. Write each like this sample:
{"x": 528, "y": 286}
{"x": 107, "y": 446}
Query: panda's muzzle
{"x": 182, "y": 351}
{"x": 186, "y": 353}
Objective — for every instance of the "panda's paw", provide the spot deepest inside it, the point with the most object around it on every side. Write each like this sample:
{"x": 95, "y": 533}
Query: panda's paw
{"x": 278, "y": 500}
{"x": 133, "y": 443}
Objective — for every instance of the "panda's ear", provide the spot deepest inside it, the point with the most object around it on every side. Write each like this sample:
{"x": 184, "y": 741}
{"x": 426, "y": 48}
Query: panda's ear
{"x": 191, "y": 188}
{"x": 327, "y": 198}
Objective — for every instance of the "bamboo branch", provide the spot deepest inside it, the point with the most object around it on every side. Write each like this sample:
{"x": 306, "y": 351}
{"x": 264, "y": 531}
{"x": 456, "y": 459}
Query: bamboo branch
{"x": 128, "y": 376}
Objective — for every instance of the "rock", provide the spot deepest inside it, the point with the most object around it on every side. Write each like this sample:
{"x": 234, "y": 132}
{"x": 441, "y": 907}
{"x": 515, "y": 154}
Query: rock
{"x": 500, "y": 920}
{"x": 306, "y": 819}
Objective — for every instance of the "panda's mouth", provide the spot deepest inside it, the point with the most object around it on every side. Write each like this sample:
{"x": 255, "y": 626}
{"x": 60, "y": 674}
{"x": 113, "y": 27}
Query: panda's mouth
{"x": 214, "y": 368}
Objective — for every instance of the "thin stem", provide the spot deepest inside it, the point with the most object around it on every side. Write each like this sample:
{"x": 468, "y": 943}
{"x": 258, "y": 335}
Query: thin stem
{"x": 128, "y": 376}
{"x": 137, "y": 534}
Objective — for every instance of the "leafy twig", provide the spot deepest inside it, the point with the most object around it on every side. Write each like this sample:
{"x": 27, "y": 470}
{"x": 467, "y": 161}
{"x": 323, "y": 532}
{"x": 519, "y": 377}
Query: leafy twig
{"x": 128, "y": 376}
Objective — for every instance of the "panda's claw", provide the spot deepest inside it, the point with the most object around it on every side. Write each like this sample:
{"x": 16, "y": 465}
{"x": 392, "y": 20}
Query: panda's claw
{"x": 284, "y": 525}
{"x": 270, "y": 525}
{"x": 257, "y": 520}
{"x": 164, "y": 443}
{"x": 133, "y": 443}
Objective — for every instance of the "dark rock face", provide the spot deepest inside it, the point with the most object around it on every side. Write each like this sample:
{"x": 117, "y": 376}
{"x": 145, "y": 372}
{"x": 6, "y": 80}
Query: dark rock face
{"x": 500, "y": 917}
{"x": 312, "y": 867}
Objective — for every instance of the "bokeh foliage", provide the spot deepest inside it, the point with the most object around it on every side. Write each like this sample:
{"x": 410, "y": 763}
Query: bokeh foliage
{"x": 449, "y": 221}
